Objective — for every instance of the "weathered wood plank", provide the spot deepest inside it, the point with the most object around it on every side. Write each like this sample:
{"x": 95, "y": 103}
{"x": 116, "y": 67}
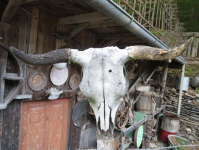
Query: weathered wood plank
{"x": 195, "y": 48}
{"x": 40, "y": 35}
{"x": 191, "y": 34}
{"x": 46, "y": 48}
{"x": 16, "y": 124}
{"x": 189, "y": 51}
{"x": 112, "y": 36}
{"x": 32, "y": 42}
{"x": 88, "y": 137}
{"x": 23, "y": 23}
{"x": 23, "y": 30}
{"x": 14, "y": 30}
{"x": 3, "y": 62}
{"x": 4, "y": 32}
{"x": 33, "y": 31}
{"x": 110, "y": 43}
{"x": 10, "y": 10}
{"x": 88, "y": 17}
{"x": 1, "y": 126}
{"x": 7, "y": 126}
{"x": 74, "y": 132}
{"x": 58, "y": 41}
{"x": 184, "y": 54}
{"x": 76, "y": 30}
{"x": 102, "y": 25}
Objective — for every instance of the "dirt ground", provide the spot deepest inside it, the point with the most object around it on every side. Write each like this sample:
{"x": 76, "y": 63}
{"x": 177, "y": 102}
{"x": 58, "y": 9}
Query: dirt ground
{"x": 158, "y": 144}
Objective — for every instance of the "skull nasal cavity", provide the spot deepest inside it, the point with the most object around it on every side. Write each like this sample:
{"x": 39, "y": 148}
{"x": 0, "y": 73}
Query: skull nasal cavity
{"x": 110, "y": 71}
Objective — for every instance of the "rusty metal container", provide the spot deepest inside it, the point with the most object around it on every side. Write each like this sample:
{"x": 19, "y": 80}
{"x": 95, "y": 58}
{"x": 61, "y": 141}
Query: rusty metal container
{"x": 170, "y": 123}
{"x": 144, "y": 103}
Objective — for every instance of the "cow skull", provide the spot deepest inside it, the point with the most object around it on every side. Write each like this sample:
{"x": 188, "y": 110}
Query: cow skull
{"x": 103, "y": 81}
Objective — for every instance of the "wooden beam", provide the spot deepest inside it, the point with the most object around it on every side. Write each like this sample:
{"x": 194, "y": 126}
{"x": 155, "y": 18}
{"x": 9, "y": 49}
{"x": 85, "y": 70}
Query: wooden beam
{"x": 195, "y": 47}
{"x": 110, "y": 43}
{"x": 4, "y": 32}
{"x": 190, "y": 34}
{"x": 132, "y": 41}
{"x": 10, "y": 10}
{"x": 76, "y": 31}
{"x": 102, "y": 25}
{"x": 108, "y": 36}
{"x": 88, "y": 17}
{"x": 29, "y": 2}
{"x": 140, "y": 16}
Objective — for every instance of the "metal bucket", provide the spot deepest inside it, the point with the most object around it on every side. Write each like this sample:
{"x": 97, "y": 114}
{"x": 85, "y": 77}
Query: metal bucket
{"x": 185, "y": 83}
{"x": 170, "y": 123}
{"x": 144, "y": 103}
{"x": 195, "y": 82}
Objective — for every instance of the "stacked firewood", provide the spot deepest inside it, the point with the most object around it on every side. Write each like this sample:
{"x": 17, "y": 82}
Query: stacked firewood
{"x": 189, "y": 122}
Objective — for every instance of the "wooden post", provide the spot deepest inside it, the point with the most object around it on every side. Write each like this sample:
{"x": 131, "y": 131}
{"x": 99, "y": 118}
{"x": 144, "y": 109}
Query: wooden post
{"x": 181, "y": 87}
{"x": 184, "y": 53}
{"x": 10, "y": 10}
{"x": 195, "y": 47}
{"x": 163, "y": 83}
{"x": 134, "y": 4}
{"x": 189, "y": 51}
{"x": 122, "y": 141}
{"x": 157, "y": 14}
{"x": 105, "y": 143}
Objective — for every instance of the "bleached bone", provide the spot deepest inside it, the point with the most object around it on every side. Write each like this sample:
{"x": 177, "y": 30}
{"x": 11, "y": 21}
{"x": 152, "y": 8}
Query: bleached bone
{"x": 103, "y": 81}
{"x": 54, "y": 93}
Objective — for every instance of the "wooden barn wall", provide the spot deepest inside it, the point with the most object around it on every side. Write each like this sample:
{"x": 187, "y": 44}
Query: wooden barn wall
{"x": 31, "y": 30}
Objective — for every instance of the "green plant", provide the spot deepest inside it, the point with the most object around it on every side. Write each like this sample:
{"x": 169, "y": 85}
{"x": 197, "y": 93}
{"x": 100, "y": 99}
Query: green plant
{"x": 188, "y": 14}
{"x": 197, "y": 90}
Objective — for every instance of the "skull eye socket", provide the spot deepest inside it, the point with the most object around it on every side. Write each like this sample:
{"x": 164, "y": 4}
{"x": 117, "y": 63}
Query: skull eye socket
{"x": 124, "y": 71}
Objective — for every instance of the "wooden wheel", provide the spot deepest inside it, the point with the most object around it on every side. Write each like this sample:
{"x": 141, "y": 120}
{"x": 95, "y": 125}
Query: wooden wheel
{"x": 11, "y": 76}
{"x": 122, "y": 115}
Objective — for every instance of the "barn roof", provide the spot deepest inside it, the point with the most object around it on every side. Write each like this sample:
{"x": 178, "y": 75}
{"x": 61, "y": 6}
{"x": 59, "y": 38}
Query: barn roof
{"x": 107, "y": 19}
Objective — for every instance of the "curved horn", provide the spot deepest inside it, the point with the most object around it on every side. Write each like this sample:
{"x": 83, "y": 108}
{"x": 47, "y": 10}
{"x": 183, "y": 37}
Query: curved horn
{"x": 152, "y": 53}
{"x": 56, "y": 56}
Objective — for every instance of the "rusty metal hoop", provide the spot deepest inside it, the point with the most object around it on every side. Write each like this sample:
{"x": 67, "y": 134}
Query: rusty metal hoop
{"x": 37, "y": 80}
{"x": 74, "y": 81}
{"x": 122, "y": 115}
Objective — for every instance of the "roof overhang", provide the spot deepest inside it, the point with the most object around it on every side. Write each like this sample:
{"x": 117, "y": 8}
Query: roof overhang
{"x": 120, "y": 16}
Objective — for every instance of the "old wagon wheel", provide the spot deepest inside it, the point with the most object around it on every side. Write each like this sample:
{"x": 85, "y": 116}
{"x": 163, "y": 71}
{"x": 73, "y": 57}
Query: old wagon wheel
{"x": 11, "y": 76}
{"x": 122, "y": 115}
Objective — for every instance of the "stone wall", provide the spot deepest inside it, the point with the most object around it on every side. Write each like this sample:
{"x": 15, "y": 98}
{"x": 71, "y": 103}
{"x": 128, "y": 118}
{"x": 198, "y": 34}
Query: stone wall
{"x": 189, "y": 122}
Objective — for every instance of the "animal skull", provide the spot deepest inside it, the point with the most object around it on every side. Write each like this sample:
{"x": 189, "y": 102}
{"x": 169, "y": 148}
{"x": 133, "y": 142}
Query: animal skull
{"x": 103, "y": 81}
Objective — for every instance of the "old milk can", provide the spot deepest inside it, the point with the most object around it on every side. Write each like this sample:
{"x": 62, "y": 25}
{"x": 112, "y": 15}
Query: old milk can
{"x": 170, "y": 123}
{"x": 144, "y": 103}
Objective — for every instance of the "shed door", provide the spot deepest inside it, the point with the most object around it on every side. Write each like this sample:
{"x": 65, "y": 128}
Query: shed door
{"x": 44, "y": 125}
